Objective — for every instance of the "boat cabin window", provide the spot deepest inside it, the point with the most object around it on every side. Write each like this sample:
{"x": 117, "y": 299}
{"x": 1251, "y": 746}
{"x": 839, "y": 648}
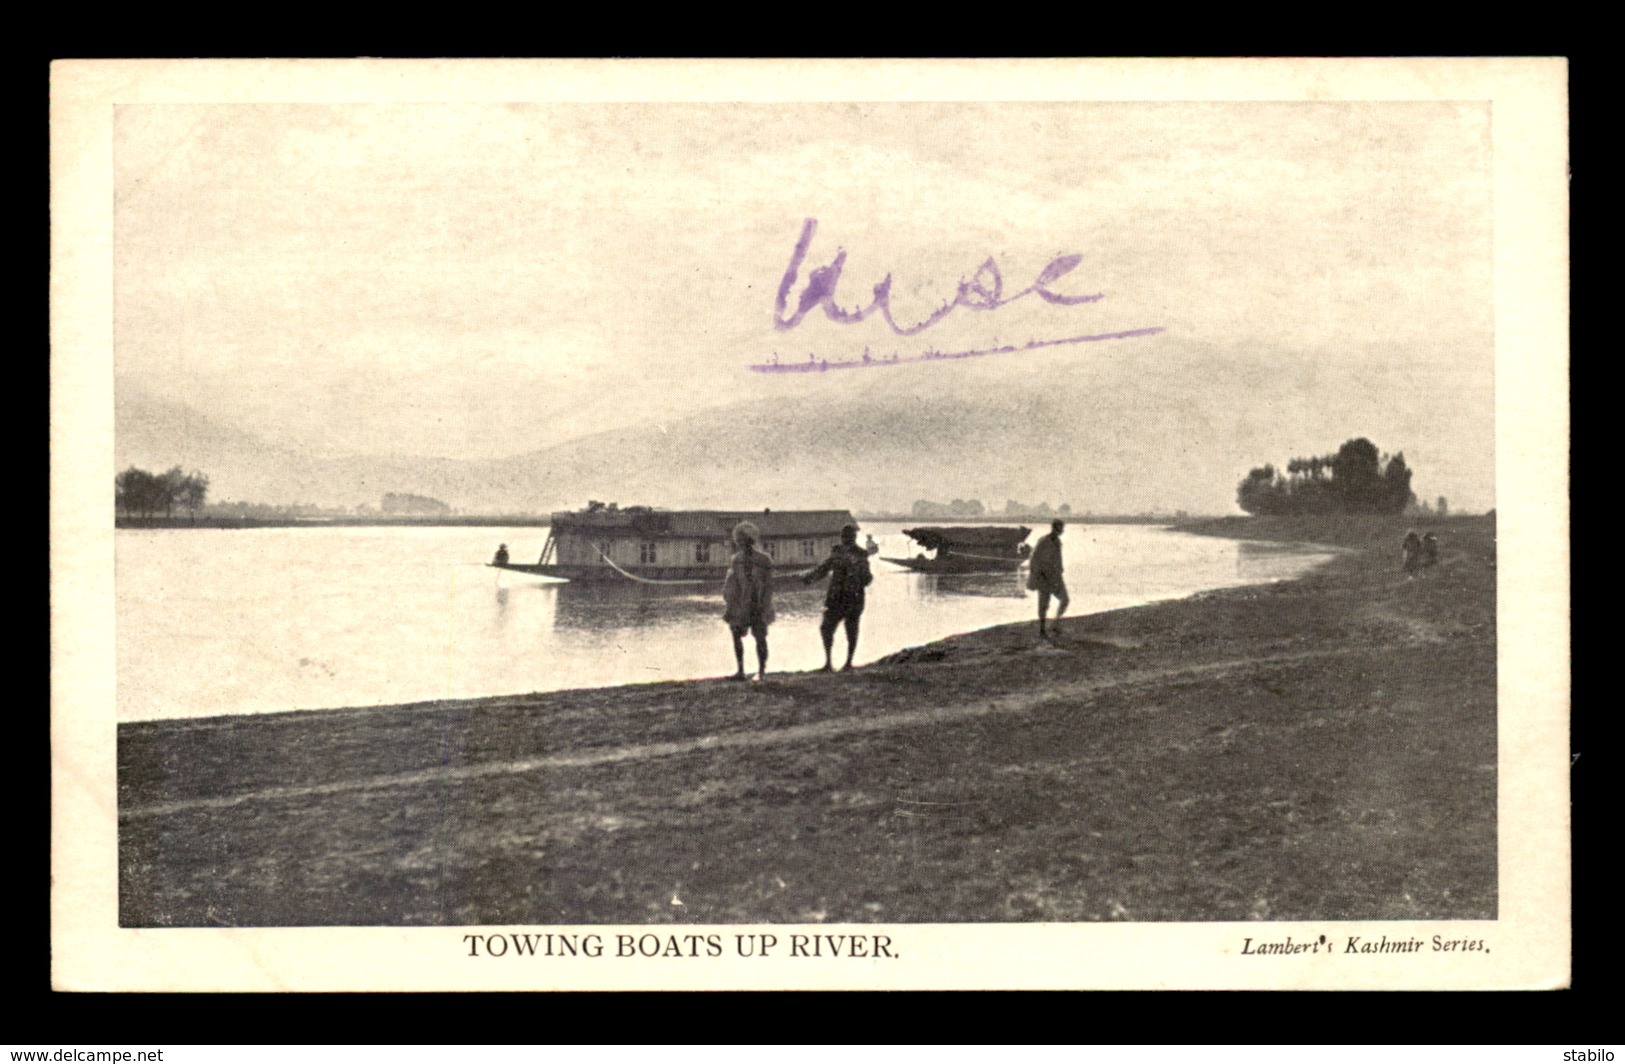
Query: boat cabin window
{"x": 646, "y": 553}
{"x": 702, "y": 552}
{"x": 809, "y": 548}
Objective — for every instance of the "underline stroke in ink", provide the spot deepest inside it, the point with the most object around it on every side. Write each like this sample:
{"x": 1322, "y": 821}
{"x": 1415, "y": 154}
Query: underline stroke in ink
{"x": 817, "y": 365}
{"x": 983, "y": 291}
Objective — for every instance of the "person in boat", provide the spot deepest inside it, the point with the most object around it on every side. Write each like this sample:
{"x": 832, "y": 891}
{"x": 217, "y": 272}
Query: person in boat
{"x": 1410, "y": 553}
{"x": 848, "y": 570}
{"x": 747, "y": 596}
{"x": 1045, "y": 575}
{"x": 502, "y": 555}
{"x": 870, "y": 547}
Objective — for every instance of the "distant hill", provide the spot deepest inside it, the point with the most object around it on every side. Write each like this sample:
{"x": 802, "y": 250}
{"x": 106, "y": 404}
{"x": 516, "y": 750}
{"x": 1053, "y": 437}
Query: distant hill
{"x": 156, "y": 433}
{"x": 1111, "y": 449}
{"x": 1126, "y": 435}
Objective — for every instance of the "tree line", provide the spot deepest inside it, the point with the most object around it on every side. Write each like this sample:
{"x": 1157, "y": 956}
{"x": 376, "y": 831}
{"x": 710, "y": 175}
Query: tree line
{"x": 1358, "y": 479}
{"x": 139, "y": 493}
{"x": 404, "y": 502}
{"x": 974, "y": 508}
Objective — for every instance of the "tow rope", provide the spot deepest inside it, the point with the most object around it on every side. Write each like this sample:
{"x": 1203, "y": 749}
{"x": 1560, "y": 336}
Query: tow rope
{"x": 667, "y": 583}
{"x": 640, "y": 579}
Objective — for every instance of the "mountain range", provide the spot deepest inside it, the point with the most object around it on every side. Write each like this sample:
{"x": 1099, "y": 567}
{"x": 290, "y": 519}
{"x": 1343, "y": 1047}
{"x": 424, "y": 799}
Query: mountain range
{"x": 1100, "y": 437}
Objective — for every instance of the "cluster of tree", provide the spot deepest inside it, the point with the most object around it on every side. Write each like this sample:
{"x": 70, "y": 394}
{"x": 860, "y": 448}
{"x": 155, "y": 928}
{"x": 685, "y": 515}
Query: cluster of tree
{"x": 276, "y": 510}
{"x": 137, "y": 492}
{"x": 957, "y": 508}
{"x": 974, "y": 508}
{"x": 1441, "y": 510}
{"x": 400, "y": 502}
{"x": 1016, "y": 508}
{"x": 1358, "y": 479}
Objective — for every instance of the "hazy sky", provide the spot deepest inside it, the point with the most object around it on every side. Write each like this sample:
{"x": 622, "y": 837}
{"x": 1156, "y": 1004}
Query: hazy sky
{"x": 475, "y": 281}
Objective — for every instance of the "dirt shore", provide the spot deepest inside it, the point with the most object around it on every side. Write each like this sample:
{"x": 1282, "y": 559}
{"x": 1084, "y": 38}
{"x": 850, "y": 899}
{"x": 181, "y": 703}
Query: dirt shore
{"x": 1320, "y": 748}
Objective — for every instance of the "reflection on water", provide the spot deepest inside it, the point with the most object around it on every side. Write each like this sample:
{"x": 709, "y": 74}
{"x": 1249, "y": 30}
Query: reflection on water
{"x": 260, "y": 620}
{"x": 1262, "y": 563}
{"x": 605, "y": 606}
{"x": 980, "y": 585}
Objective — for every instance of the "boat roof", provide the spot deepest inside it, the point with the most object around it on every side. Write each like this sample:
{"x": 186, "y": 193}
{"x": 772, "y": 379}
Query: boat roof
{"x": 933, "y": 537}
{"x": 707, "y": 524}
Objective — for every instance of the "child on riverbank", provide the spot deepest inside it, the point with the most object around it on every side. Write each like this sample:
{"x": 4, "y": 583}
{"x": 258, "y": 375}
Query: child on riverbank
{"x": 1045, "y": 576}
{"x": 848, "y": 570}
{"x": 747, "y": 596}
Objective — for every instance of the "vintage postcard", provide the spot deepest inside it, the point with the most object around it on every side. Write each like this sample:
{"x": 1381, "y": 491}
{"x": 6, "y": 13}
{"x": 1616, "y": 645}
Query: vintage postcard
{"x": 814, "y": 524}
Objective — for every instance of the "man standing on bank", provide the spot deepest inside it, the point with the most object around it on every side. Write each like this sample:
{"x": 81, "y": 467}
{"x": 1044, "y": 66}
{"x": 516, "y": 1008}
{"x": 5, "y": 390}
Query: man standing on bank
{"x": 1044, "y": 575}
{"x": 747, "y": 596}
{"x": 848, "y": 570}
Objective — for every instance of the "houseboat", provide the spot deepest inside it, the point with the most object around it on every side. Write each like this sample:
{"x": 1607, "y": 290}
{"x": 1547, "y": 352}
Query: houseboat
{"x": 955, "y": 549}
{"x": 643, "y": 545}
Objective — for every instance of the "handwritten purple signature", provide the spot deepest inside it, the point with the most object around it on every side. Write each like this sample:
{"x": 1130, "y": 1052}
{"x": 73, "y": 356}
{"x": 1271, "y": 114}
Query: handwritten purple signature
{"x": 984, "y": 290}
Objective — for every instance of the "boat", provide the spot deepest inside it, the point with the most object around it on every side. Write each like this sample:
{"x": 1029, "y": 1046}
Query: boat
{"x": 644, "y": 545}
{"x": 961, "y": 549}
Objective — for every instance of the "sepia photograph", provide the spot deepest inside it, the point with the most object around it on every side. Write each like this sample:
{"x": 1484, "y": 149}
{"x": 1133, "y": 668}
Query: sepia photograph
{"x": 725, "y": 524}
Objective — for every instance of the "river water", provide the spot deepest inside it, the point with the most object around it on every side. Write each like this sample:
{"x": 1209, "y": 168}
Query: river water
{"x": 217, "y": 622}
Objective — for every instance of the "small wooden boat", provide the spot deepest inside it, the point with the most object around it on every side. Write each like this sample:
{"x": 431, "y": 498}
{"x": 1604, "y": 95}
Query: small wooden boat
{"x": 642, "y": 545}
{"x": 973, "y": 549}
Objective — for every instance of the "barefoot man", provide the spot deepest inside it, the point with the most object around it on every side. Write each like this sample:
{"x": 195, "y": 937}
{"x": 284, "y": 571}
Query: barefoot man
{"x": 1044, "y": 576}
{"x": 848, "y": 570}
{"x": 747, "y": 594}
